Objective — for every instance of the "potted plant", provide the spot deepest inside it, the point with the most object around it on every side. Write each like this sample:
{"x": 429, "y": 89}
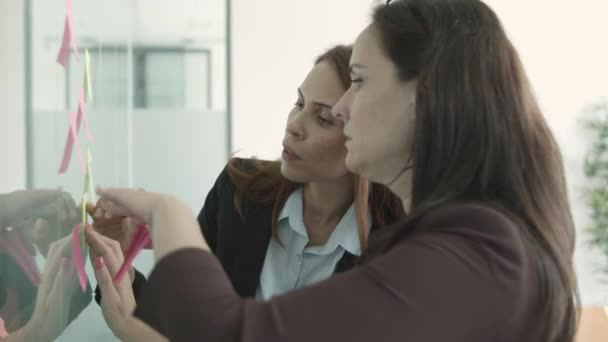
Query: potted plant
{"x": 596, "y": 170}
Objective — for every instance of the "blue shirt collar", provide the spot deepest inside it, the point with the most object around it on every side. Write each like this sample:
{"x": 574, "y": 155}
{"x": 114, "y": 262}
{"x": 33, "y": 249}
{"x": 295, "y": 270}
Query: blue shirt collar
{"x": 346, "y": 233}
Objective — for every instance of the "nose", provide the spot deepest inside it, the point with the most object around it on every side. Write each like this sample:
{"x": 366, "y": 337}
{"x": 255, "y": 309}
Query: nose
{"x": 340, "y": 111}
{"x": 295, "y": 126}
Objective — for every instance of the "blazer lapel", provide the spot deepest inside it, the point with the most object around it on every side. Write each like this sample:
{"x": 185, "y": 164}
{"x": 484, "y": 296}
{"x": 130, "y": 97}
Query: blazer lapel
{"x": 252, "y": 246}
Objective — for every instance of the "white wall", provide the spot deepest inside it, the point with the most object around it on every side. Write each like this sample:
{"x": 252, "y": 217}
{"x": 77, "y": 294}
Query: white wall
{"x": 563, "y": 47}
{"x": 12, "y": 109}
{"x": 562, "y": 44}
{"x": 274, "y": 44}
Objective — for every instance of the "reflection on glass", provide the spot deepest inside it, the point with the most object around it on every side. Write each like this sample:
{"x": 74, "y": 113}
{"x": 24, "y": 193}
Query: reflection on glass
{"x": 158, "y": 72}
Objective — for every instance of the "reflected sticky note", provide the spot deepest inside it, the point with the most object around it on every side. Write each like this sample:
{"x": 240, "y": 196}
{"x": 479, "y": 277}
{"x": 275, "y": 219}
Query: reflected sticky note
{"x": 88, "y": 91}
{"x": 71, "y": 141}
{"x": 11, "y": 244}
{"x": 82, "y": 115}
{"x": 77, "y": 256}
{"x": 64, "y": 50}
{"x": 91, "y": 182}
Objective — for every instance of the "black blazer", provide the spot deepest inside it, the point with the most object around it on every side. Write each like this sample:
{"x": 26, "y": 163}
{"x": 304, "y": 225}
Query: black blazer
{"x": 241, "y": 242}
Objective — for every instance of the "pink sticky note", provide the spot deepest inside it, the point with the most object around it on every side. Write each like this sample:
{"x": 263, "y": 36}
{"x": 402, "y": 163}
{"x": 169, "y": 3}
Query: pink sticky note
{"x": 3, "y": 332}
{"x": 78, "y": 258}
{"x": 64, "y": 51}
{"x": 70, "y": 18}
{"x": 69, "y": 39}
{"x": 140, "y": 240}
{"x": 82, "y": 115}
{"x": 71, "y": 140}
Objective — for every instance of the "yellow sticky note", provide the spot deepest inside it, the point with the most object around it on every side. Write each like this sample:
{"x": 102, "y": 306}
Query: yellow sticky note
{"x": 90, "y": 186}
{"x": 84, "y": 210}
{"x": 88, "y": 92}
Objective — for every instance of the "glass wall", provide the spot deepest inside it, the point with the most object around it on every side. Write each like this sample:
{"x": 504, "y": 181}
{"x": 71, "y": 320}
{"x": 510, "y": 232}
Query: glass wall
{"x": 157, "y": 116}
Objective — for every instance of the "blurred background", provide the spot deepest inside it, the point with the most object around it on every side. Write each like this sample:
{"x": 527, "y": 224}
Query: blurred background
{"x": 180, "y": 85}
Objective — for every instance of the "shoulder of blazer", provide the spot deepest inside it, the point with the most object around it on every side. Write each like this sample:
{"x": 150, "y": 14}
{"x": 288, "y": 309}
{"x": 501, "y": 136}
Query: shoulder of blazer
{"x": 244, "y": 237}
{"x": 226, "y": 188}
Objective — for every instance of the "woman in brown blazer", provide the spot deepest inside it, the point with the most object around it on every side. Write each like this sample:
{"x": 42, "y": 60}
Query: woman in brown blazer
{"x": 440, "y": 110}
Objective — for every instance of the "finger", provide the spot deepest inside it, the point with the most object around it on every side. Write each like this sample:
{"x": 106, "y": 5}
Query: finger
{"x": 106, "y": 248}
{"x": 105, "y": 280}
{"x": 112, "y": 257}
{"x": 129, "y": 202}
{"x": 102, "y": 213}
{"x": 91, "y": 209}
{"x": 114, "y": 221}
{"x": 98, "y": 215}
{"x": 57, "y": 302}
{"x": 100, "y": 218}
{"x": 54, "y": 262}
{"x": 59, "y": 248}
{"x": 124, "y": 286}
{"x": 114, "y": 232}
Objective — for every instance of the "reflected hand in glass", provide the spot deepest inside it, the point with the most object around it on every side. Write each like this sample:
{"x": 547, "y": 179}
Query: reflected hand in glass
{"x": 55, "y": 304}
{"x": 39, "y": 217}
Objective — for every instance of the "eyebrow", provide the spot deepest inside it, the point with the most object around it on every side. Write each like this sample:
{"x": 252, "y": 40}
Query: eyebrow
{"x": 319, "y": 104}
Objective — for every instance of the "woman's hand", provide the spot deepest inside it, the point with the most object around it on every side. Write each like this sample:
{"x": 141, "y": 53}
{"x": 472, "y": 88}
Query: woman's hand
{"x": 117, "y": 300}
{"x": 53, "y": 302}
{"x": 118, "y": 228}
{"x": 172, "y": 222}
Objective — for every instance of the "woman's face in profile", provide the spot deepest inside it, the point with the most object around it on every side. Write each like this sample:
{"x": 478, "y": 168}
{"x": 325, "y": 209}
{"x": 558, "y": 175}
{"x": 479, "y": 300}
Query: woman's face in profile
{"x": 314, "y": 143}
{"x": 378, "y": 112}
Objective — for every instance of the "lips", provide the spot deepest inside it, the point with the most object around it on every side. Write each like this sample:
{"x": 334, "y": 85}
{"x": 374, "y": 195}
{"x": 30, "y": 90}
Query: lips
{"x": 289, "y": 154}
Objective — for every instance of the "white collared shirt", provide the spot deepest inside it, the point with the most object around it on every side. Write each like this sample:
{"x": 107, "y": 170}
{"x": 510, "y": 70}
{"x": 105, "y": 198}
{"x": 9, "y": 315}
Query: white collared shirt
{"x": 293, "y": 265}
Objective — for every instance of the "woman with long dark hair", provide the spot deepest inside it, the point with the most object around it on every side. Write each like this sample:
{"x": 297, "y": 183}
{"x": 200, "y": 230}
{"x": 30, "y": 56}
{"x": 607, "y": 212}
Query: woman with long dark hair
{"x": 440, "y": 110}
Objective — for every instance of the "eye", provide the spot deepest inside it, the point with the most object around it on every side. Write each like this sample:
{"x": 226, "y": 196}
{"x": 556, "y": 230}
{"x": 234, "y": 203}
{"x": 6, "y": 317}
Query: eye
{"x": 357, "y": 83}
{"x": 324, "y": 121}
{"x": 298, "y": 104}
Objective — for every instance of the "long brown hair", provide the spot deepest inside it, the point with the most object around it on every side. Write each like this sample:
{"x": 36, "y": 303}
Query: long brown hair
{"x": 480, "y": 135}
{"x": 263, "y": 182}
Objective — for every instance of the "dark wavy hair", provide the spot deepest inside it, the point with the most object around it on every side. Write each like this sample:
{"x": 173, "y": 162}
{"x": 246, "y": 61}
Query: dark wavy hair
{"x": 480, "y": 135}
